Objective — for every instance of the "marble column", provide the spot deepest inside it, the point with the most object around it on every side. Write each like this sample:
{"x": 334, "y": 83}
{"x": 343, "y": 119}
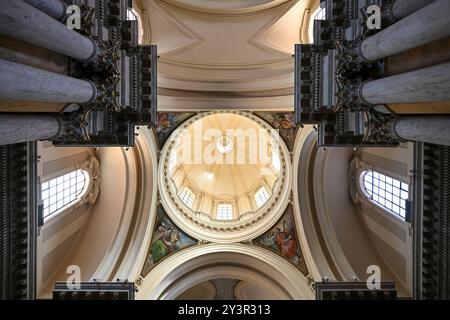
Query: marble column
{"x": 54, "y": 8}
{"x": 25, "y": 83}
{"x": 24, "y": 22}
{"x": 431, "y": 129}
{"x": 423, "y": 85}
{"x": 403, "y": 8}
{"x": 426, "y": 25}
{"x": 20, "y": 127}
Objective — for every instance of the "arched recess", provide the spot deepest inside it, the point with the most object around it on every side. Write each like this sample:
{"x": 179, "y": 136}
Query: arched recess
{"x": 333, "y": 237}
{"x": 114, "y": 238}
{"x": 197, "y": 264}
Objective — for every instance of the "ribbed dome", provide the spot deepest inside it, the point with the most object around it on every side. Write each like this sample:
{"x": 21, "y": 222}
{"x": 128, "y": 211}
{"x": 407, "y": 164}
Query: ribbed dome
{"x": 225, "y": 157}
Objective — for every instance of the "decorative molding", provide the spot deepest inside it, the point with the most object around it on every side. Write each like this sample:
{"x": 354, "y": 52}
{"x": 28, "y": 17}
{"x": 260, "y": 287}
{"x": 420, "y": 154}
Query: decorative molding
{"x": 92, "y": 166}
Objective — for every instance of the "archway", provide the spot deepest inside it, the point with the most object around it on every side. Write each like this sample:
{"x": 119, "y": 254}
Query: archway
{"x": 205, "y": 262}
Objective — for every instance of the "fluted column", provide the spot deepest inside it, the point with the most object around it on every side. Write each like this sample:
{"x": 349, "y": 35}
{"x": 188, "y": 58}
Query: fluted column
{"x": 423, "y": 85}
{"x": 423, "y": 26}
{"x": 54, "y": 8}
{"x": 434, "y": 130}
{"x": 24, "y": 22}
{"x": 25, "y": 83}
{"x": 403, "y": 8}
{"x": 16, "y": 128}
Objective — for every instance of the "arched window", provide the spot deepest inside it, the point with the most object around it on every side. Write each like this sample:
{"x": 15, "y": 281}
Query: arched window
{"x": 225, "y": 211}
{"x": 276, "y": 160}
{"x": 388, "y": 192}
{"x": 261, "y": 197}
{"x": 64, "y": 191}
{"x": 188, "y": 197}
{"x": 173, "y": 160}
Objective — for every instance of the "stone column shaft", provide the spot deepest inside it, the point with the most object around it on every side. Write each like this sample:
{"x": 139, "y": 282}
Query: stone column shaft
{"x": 434, "y": 130}
{"x": 426, "y": 25}
{"x": 23, "y": 127}
{"x": 24, "y": 83}
{"x": 54, "y": 8}
{"x": 423, "y": 85}
{"x": 403, "y": 8}
{"x": 24, "y": 22}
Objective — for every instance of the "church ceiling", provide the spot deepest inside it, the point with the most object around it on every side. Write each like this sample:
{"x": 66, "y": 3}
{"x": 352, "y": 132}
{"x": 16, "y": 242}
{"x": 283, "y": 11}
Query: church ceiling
{"x": 199, "y": 65}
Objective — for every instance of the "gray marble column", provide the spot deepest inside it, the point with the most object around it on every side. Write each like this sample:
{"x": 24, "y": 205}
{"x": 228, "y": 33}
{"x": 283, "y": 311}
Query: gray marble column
{"x": 403, "y": 8}
{"x": 423, "y": 26}
{"x": 54, "y": 8}
{"x": 23, "y": 127}
{"x": 424, "y": 129}
{"x": 423, "y": 85}
{"x": 24, "y": 83}
{"x": 24, "y": 22}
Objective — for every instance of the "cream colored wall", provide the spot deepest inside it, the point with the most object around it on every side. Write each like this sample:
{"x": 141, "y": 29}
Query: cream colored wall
{"x": 59, "y": 234}
{"x": 391, "y": 236}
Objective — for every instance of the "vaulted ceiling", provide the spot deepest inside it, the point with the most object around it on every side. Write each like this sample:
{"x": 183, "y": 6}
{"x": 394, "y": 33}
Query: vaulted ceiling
{"x": 225, "y": 54}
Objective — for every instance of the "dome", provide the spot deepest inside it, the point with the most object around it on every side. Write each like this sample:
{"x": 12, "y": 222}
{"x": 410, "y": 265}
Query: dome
{"x": 221, "y": 171}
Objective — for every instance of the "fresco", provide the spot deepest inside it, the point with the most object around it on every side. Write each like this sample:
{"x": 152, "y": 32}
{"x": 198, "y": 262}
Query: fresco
{"x": 283, "y": 240}
{"x": 284, "y": 122}
{"x": 167, "y": 238}
{"x": 168, "y": 122}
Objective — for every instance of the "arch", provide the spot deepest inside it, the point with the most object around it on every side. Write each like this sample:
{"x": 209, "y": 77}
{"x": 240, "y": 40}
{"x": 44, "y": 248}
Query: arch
{"x": 201, "y": 263}
{"x": 310, "y": 240}
{"x": 126, "y": 255}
